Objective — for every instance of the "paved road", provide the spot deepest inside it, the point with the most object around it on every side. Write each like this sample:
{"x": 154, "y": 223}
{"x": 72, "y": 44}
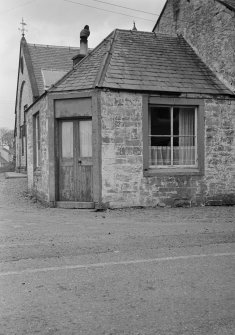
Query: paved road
{"x": 156, "y": 271}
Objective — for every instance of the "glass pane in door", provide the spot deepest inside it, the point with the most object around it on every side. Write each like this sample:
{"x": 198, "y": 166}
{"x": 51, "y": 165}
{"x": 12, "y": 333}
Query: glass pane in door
{"x": 67, "y": 139}
{"x": 85, "y": 132}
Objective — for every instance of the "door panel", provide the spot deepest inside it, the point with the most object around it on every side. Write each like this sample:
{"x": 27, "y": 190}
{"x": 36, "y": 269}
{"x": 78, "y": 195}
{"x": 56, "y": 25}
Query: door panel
{"x": 66, "y": 183}
{"x": 85, "y": 183}
{"x": 75, "y": 160}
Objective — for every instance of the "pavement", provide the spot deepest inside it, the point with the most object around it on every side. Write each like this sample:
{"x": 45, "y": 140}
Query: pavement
{"x": 138, "y": 271}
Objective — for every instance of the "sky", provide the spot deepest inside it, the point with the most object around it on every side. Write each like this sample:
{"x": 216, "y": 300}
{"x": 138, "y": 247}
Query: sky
{"x": 59, "y": 22}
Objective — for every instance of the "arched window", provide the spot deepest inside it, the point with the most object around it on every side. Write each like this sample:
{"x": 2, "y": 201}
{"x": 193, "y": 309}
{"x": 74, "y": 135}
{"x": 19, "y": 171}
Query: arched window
{"x": 21, "y": 121}
{"x": 21, "y": 109}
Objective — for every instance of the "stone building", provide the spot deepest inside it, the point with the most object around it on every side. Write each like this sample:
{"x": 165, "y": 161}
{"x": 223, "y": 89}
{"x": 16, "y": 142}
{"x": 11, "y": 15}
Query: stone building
{"x": 39, "y": 67}
{"x": 209, "y": 27}
{"x": 140, "y": 121}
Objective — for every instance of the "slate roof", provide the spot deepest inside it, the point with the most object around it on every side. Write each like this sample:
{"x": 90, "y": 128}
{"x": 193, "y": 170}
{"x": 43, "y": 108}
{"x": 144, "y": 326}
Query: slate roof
{"x": 142, "y": 61}
{"x": 48, "y": 57}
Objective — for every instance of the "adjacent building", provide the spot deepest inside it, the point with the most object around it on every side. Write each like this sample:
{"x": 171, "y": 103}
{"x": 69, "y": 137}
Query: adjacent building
{"x": 39, "y": 67}
{"x": 209, "y": 27}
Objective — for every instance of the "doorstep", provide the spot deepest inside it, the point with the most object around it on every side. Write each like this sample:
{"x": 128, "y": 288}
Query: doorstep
{"x": 75, "y": 205}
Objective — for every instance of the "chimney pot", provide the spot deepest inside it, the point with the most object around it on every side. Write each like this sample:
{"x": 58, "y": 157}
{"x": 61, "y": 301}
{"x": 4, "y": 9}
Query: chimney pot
{"x": 84, "y": 34}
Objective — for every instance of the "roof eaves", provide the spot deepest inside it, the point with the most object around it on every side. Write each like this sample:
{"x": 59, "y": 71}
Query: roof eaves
{"x": 106, "y": 61}
{"x": 35, "y": 101}
{"x": 172, "y": 90}
{"x": 159, "y": 18}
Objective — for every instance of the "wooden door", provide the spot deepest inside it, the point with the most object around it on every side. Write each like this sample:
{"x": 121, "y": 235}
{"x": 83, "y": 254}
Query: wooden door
{"x": 75, "y": 160}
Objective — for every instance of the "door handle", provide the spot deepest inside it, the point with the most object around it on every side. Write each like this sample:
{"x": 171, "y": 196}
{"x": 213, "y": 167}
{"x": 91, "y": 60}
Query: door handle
{"x": 79, "y": 161}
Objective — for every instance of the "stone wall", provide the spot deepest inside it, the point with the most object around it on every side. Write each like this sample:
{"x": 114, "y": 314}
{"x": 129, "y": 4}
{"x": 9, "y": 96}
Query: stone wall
{"x": 123, "y": 181}
{"x": 122, "y": 149}
{"x": 208, "y": 26}
{"x": 38, "y": 178}
{"x": 220, "y": 151}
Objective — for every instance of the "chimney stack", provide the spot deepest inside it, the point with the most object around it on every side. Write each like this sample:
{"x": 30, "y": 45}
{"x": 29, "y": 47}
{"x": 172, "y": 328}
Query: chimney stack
{"x": 84, "y": 34}
{"x": 83, "y": 40}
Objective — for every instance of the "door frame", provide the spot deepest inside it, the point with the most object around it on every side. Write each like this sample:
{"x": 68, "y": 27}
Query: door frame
{"x": 95, "y": 114}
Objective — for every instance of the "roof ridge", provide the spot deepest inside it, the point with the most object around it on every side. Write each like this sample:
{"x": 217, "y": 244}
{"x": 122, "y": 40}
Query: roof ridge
{"x": 145, "y": 32}
{"x": 101, "y": 73}
{"x": 75, "y": 67}
{"x": 52, "y": 46}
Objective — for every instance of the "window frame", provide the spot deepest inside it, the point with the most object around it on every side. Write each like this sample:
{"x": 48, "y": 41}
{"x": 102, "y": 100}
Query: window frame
{"x": 37, "y": 140}
{"x": 198, "y": 104}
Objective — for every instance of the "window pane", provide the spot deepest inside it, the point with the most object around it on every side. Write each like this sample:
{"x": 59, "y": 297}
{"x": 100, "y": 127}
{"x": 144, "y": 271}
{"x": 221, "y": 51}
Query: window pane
{"x": 160, "y": 155}
{"x": 67, "y": 139}
{"x": 184, "y": 142}
{"x": 85, "y": 131}
{"x": 160, "y": 150}
{"x": 160, "y": 121}
{"x": 37, "y": 141}
{"x": 176, "y": 121}
{"x": 184, "y": 121}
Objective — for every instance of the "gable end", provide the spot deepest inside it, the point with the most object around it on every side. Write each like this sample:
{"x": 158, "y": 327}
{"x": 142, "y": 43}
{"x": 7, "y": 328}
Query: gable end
{"x": 30, "y": 68}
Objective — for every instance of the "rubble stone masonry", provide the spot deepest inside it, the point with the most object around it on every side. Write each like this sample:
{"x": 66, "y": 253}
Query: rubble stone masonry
{"x": 38, "y": 178}
{"x": 209, "y": 27}
{"x": 123, "y": 180}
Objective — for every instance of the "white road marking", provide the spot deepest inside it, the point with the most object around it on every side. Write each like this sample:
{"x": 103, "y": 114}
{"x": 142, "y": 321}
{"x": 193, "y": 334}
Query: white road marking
{"x": 97, "y": 265}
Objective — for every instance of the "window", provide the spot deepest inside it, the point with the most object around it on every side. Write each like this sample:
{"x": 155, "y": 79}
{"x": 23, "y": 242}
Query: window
{"x": 37, "y": 144}
{"x": 22, "y": 137}
{"x": 67, "y": 139}
{"x": 23, "y": 134}
{"x": 85, "y": 135}
{"x": 171, "y": 136}
{"x": 21, "y": 64}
